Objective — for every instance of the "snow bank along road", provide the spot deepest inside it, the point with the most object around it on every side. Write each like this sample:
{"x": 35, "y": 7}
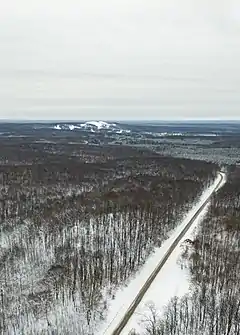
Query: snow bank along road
{"x": 125, "y": 318}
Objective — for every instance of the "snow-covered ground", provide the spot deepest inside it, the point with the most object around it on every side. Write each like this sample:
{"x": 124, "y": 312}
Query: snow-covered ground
{"x": 171, "y": 281}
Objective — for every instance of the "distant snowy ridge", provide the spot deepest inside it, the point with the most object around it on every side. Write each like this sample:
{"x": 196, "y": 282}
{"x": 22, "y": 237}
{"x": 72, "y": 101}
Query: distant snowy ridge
{"x": 92, "y": 126}
{"x": 98, "y": 124}
{"x": 103, "y": 126}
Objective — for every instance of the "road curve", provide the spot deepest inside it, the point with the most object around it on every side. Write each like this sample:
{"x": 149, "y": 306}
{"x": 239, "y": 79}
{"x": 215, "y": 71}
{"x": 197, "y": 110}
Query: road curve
{"x": 155, "y": 272}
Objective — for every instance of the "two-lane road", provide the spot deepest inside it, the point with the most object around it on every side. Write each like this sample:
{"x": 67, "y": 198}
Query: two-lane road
{"x": 121, "y": 325}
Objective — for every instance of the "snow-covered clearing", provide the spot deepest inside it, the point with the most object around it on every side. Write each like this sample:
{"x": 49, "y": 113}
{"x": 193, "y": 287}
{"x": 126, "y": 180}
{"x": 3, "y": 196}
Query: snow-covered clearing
{"x": 171, "y": 280}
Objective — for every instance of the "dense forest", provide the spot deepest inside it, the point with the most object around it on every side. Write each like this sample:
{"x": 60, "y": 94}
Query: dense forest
{"x": 212, "y": 306}
{"x": 77, "y": 222}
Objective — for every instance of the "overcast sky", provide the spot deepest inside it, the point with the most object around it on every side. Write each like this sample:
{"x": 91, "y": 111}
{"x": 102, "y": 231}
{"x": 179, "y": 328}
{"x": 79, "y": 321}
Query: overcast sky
{"x": 119, "y": 59}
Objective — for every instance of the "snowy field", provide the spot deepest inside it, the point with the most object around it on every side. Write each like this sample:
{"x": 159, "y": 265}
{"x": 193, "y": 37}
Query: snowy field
{"x": 171, "y": 281}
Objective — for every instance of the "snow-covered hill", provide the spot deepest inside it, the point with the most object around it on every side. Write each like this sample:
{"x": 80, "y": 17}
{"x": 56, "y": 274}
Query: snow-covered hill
{"x": 98, "y": 125}
{"x": 93, "y": 126}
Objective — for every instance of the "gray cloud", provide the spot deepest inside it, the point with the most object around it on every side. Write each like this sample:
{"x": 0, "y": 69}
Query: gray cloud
{"x": 119, "y": 59}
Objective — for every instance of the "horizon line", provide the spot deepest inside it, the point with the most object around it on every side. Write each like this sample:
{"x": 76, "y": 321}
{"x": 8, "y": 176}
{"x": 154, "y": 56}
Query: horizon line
{"x": 3, "y": 120}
